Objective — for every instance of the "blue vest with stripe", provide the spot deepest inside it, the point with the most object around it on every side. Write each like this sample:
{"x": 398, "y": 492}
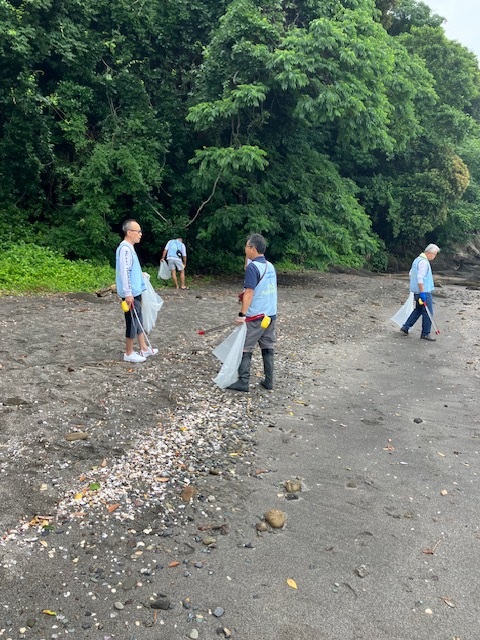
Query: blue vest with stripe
{"x": 265, "y": 293}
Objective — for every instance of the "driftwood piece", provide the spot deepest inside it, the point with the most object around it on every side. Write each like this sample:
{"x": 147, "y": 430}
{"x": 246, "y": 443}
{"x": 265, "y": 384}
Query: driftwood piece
{"x": 101, "y": 293}
{"x": 459, "y": 282}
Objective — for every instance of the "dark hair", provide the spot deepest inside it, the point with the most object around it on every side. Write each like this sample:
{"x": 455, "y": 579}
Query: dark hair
{"x": 127, "y": 224}
{"x": 258, "y": 241}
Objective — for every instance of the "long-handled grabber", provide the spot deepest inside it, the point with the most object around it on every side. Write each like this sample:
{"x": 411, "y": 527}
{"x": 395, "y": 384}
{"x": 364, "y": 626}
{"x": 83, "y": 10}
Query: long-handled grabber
{"x": 434, "y": 324}
{"x": 220, "y": 326}
{"x": 261, "y": 316}
{"x": 132, "y": 308}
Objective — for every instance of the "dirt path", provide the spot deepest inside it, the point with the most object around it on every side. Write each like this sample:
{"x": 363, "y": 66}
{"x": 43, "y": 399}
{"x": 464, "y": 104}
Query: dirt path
{"x": 158, "y": 505}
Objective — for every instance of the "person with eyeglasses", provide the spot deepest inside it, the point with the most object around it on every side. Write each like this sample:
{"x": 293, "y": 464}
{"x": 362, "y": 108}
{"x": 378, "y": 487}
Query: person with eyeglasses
{"x": 130, "y": 285}
{"x": 175, "y": 253}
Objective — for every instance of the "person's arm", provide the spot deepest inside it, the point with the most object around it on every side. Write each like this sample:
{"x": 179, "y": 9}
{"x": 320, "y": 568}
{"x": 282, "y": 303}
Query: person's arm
{"x": 125, "y": 264}
{"x": 246, "y": 302}
{"x": 422, "y": 270}
{"x": 165, "y": 251}
{"x": 252, "y": 278}
{"x": 184, "y": 255}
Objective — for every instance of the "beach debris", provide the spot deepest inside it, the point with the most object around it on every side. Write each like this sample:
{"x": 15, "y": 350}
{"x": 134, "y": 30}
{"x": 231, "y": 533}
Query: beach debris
{"x": 276, "y": 518}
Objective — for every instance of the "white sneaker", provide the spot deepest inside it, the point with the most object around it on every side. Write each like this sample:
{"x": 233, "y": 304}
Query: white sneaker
{"x": 149, "y": 352}
{"x": 133, "y": 357}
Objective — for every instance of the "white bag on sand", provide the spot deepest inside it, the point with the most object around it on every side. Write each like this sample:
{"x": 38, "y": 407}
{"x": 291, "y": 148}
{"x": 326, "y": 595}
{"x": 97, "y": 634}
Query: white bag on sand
{"x": 403, "y": 313}
{"x": 151, "y": 305}
{"x": 229, "y": 352}
{"x": 163, "y": 271}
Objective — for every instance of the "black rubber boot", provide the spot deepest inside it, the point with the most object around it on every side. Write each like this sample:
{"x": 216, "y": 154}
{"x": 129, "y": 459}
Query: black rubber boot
{"x": 267, "y": 355}
{"x": 243, "y": 373}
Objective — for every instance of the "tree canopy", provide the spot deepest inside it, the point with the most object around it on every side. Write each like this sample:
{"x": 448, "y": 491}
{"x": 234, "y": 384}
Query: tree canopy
{"x": 338, "y": 128}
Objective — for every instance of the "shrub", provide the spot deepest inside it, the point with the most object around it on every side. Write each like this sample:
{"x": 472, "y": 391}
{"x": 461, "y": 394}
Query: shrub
{"x": 31, "y": 268}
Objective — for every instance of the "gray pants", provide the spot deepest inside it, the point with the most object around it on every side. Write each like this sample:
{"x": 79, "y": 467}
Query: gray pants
{"x": 266, "y": 338}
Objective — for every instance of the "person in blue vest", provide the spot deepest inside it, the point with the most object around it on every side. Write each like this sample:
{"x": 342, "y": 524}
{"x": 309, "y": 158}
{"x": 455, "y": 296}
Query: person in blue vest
{"x": 130, "y": 284}
{"x": 421, "y": 283}
{"x": 259, "y": 299}
{"x": 175, "y": 253}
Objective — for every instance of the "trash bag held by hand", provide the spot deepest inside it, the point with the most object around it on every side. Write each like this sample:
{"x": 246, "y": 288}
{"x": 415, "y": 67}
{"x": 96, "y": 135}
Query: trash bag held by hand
{"x": 151, "y": 305}
{"x": 404, "y": 312}
{"x": 163, "y": 271}
{"x": 229, "y": 352}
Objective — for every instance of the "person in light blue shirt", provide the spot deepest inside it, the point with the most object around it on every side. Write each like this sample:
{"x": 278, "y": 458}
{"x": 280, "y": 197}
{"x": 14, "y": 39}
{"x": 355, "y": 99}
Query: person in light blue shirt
{"x": 130, "y": 285}
{"x": 175, "y": 253}
{"x": 421, "y": 284}
{"x": 259, "y": 299}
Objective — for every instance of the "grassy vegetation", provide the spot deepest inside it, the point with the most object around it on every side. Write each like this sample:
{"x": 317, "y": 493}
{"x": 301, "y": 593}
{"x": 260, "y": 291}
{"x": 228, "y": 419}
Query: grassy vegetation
{"x": 33, "y": 269}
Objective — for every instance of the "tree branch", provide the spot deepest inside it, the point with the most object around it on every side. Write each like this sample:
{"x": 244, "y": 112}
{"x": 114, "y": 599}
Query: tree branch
{"x": 158, "y": 213}
{"x": 205, "y": 202}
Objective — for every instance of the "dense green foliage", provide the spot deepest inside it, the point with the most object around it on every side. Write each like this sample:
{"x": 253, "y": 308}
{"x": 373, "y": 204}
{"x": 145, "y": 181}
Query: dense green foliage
{"x": 28, "y": 267}
{"x": 338, "y": 128}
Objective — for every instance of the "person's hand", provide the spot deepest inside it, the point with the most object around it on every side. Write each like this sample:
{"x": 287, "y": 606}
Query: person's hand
{"x": 239, "y": 320}
{"x": 129, "y": 301}
{"x": 423, "y": 296}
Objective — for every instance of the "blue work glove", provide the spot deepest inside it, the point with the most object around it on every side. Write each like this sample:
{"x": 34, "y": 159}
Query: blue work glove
{"x": 423, "y": 296}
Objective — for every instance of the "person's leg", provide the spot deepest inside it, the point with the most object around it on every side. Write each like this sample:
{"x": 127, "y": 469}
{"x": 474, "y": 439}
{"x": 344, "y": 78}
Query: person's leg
{"x": 173, "y": 270}
{"x": 131, "y": 330}
{"x": 129, "y": 333}
{"x": 174, "y": 278}
{"x": 141, "y": 342}
{"x": 426, "y": 322}
{"x": 251, "y": 339}
{"x": 413, "y": 317}
{"x": 266, "y": 343}
{"x": 129, "y": 346}
{"x": 182, "y": 278}
{"x": 146, "y": 350}
{"x": 243, "y": 373}
{"x": 267, "y": 355}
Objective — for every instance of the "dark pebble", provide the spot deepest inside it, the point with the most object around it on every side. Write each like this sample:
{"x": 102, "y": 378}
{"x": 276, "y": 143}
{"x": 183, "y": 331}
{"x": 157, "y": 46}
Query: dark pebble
{"x": 129, "y": 583}
{"x": 161, "y": 603}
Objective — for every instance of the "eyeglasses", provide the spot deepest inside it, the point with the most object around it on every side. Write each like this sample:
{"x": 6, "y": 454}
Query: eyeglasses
{"x": 136, "y": 230}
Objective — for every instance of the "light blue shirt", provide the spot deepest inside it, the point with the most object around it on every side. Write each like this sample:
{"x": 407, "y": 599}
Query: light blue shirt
{"x": 419, "y": 265}
{"x": 128, "y": 272}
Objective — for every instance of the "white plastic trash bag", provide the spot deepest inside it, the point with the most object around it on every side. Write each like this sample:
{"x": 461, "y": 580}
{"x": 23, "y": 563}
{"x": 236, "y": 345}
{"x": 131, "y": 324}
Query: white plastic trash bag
{"x": 403, "y": 314}
{"x": 163, "y": 271}
{"x": 229, "y": 352}
{"x": 151, "y": 305}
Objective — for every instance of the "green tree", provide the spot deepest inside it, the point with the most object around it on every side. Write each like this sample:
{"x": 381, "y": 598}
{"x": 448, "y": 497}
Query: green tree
{"x": 332, "y": 84}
